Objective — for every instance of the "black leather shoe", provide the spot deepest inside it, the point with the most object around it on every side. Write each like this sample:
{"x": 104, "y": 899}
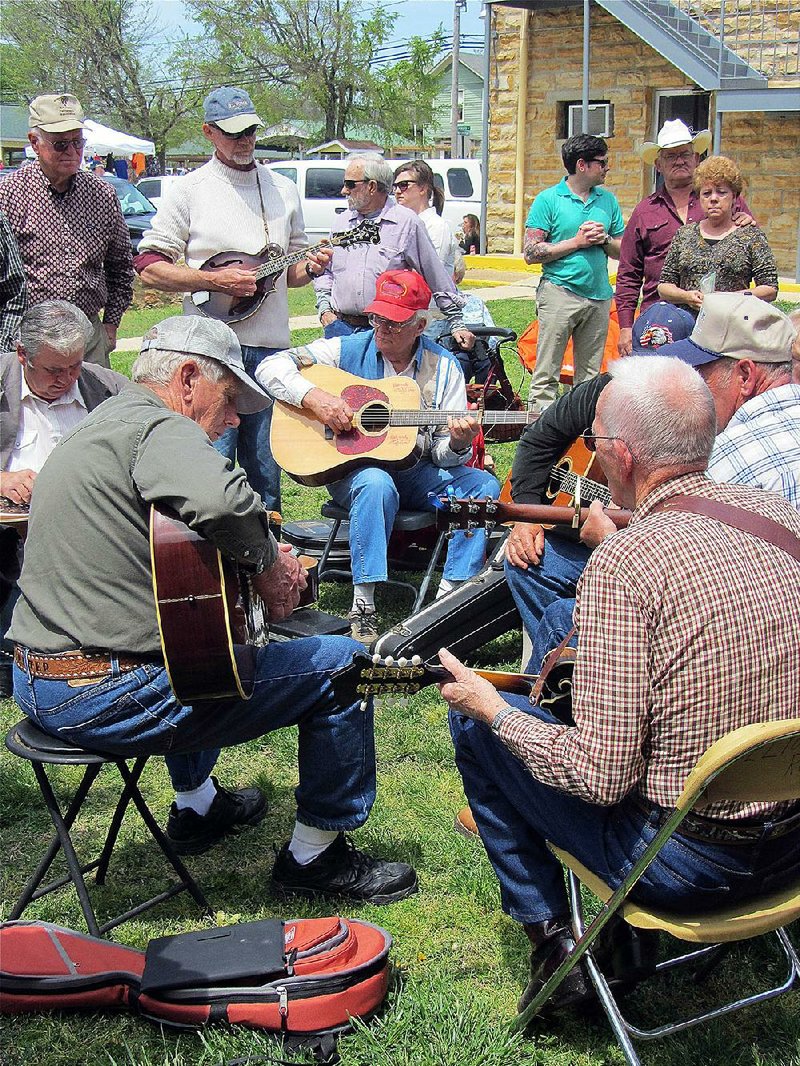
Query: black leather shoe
{"x": 191, "y": 833}
{"x": 626, "y": 955}
{"x": 343, "y": 870}
{"x": 546, "y": 957}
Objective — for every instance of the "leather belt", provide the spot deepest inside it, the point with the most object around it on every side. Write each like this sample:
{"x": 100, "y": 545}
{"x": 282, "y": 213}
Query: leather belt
{"x": 354, "y": 320}
{"x": 716, "y": 830}
{"x": 74, "y": 665}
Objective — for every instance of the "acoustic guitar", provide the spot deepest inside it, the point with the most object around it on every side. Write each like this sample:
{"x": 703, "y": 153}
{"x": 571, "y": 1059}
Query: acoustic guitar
{"x": 268, "y": 266}
{"x": 576, "y": 462}
{"x": 13, "y": 515}
{"x": 209, "y": 619}
{"x": 388, "y": 415}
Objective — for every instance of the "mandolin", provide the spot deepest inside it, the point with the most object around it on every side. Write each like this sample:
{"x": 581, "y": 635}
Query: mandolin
{"x": 388, "y": 416}
{"x": 267, "y": 267}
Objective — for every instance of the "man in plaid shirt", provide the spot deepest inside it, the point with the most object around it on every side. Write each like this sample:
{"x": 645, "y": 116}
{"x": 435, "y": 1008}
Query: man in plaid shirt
{"x": 13, "y": 294}
{"x": 687, "y": 630}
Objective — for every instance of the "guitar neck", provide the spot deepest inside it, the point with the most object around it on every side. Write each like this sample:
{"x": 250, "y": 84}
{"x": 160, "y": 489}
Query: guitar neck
{"x": 283, "y": 262}
{"x": 366, "y": 677}
{"x": 439, "y": 418}
{"x": 472, "y": 514}
{"x": 590, "y": 490}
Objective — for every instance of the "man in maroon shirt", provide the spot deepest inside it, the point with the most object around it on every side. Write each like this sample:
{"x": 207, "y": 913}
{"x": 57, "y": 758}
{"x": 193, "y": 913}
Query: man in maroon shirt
{"x": 657, "y": 218}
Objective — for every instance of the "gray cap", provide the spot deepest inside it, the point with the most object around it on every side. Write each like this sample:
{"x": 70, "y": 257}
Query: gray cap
{"x": 196, "y": 335}
{"x": 230, "y": 109}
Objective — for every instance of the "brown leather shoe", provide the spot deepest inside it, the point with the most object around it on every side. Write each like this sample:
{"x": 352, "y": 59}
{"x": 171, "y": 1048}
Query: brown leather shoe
{"x": 555, "y": 942}
{"x": 465, "y": 824}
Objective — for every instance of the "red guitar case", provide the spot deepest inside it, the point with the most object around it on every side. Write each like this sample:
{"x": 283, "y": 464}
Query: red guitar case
{"x": 303, "y": 976}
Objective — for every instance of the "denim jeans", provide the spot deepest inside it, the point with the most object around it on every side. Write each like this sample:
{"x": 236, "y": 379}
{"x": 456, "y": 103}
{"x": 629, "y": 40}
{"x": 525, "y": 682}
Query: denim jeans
{"x": 339, "y": 328}
{"x": 516, "y": 814}
{"x": 250, "y": 442}
{"x": 136, "y": 712}
{"x": 555, "y": 624}
{"x": 537, "y": 587}
{"x": 374, "y": 496}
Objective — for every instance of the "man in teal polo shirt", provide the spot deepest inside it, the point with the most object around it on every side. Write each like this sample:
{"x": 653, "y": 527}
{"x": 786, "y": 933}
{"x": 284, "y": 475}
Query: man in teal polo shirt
{"x": 572, "y": 229}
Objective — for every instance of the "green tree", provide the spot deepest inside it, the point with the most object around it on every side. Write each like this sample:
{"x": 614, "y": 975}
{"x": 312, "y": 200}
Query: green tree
{"x": 112, "y": 54}
{"x": 313, "y": 59}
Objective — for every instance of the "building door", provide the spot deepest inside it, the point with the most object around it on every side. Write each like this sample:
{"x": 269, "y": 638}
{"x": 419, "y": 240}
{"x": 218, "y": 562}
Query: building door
{"x": 693, "y": 108}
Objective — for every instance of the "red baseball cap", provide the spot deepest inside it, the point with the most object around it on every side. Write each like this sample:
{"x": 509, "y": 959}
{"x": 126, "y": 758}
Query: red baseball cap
{"x": 399, "y": 294}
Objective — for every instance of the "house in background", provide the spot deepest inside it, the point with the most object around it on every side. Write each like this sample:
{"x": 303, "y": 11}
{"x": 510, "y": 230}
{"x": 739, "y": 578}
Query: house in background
{"x": 470, "y": 106}
{"x": 650, "y": 60}
{"x": 13, "y": 133}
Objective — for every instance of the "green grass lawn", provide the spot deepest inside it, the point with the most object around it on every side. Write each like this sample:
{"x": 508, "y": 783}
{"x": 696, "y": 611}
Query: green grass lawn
{"x": 460, "y": 964}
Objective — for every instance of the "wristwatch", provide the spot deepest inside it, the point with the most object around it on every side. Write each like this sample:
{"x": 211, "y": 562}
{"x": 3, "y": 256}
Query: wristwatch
{"x": 500, "y": 717}
{"x": 310, "y": 273}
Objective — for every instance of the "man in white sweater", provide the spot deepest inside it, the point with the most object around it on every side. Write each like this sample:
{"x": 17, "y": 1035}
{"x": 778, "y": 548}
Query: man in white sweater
{"x": 233, "y": 204}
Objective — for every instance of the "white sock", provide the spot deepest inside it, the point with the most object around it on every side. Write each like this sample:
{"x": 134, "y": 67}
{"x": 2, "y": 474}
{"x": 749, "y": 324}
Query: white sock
{"x": 197, "y": 799}
{"x": 445, "y": 586}
{"x": 307, "y": 842}
{"x": 364, "y": 594}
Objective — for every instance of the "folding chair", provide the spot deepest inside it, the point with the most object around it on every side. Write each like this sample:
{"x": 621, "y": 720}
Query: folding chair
{"x": 40, "y": 749}
{"x": 755, "y": 763}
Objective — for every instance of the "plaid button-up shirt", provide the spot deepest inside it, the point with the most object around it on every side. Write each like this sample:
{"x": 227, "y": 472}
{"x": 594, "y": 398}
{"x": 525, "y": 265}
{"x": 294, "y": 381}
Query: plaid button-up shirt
{"x": 688, "y": 628}
{"x": 75, "y": 245}
{"x": 13, "y": 297}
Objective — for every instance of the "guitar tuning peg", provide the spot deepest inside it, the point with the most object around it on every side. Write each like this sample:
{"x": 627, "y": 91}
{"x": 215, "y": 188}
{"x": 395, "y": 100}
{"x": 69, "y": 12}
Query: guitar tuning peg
{"x": 416, "y": 660}
{"x": 363, "y": 705}
{"x": 376, "y": 658}
{"x": 402, "y": 662}
{"x": 389, "y": 660}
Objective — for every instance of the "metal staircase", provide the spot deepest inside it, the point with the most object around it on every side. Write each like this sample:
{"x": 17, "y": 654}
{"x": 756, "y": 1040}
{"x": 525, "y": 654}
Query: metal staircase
{"x": 685, "y": 43}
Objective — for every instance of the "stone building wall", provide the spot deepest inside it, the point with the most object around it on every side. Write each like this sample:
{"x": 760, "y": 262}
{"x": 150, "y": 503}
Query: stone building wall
{"x": 628, "y": 74}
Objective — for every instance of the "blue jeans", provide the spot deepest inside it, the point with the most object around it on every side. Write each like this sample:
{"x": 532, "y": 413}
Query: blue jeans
{"x": 338, "y": 328}
{"x": 516, "y": 814}
{"x": 250, "y": 442}
{"x": 555, "y": 624}
{"x": 537, "y": 587}
{"x": 136, "y": 713}
{"x": 374, "y": 496}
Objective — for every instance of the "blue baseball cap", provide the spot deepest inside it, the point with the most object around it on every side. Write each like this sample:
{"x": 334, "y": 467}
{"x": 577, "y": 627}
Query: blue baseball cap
{"x": 230, "y": 109}
{"x": 662, "y": 323}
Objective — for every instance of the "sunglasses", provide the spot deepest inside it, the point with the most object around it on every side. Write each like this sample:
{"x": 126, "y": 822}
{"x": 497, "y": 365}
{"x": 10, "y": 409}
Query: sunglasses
{"x": 591, "y": 439}
{"x": 350, "y": 183}
{"x": 604, "y": 163}
{"x": 384, "y": 324}
{"x": 76, "y": 143}
{"x": 401, "y": 186}
{"x": 235, "y": 136}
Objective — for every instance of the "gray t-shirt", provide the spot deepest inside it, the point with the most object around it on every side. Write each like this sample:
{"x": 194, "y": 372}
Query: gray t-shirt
{"x": 86, "y": 580}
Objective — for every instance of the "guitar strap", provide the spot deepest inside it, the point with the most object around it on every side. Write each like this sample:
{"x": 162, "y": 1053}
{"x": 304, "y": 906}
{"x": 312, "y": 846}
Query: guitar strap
{"x": 264, "y": 222}
{"x": 747, "y": 521}
{"x": 561, "y": 653}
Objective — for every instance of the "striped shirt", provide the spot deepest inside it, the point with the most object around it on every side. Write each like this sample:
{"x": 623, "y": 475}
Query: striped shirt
{"x": 13, "y": 297}
{"x": 687, "y": 630}
{"x": 761, "y": 444}
{"x": 75, "y": 245}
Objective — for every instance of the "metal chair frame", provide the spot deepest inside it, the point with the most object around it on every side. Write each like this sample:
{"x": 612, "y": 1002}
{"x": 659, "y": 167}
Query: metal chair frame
{"x": 725, "y": 771}
{"x": 21, "y": 740}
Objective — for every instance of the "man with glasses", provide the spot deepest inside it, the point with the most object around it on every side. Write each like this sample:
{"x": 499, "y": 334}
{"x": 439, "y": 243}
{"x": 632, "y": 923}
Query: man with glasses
{"x": 348, "y": 284}
{"x": 69, "y": 226}
{"x": 233, "y": 204}
{"x": 47, "y": 389}
{"x": 656, "y": 219}
{"x": 572, "y": 230}
{"x": 395, "y": 344}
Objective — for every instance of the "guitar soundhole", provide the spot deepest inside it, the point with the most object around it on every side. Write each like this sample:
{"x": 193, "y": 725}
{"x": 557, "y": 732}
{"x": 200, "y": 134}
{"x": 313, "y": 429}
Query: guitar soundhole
{"x": 558, "y": 475}
{"x": 374, "y": 418}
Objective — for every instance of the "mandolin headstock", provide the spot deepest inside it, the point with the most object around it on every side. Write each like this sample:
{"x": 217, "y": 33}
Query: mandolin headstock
{"x": 374, "y": 676}
{"x": 366, "y": 232}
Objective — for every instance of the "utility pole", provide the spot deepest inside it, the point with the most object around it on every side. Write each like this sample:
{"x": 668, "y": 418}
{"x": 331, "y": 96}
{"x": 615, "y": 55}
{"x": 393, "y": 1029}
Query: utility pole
{"x": 458, "y": 5}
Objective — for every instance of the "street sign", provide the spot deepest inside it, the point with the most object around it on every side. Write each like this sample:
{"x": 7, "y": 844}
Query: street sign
{"x": 463, "y": 129}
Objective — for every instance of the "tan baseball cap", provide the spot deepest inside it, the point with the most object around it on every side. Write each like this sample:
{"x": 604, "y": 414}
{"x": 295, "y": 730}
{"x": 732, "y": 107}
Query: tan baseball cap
{"x": 735, "y": 325}
{"x": 56, "y": 114}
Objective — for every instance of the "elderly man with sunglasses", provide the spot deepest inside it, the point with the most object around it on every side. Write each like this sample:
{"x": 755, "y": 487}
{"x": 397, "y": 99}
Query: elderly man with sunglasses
{"x": 395, "y": 345}
{"x": 233, "y": 204}
{"x": 69, "y": 226}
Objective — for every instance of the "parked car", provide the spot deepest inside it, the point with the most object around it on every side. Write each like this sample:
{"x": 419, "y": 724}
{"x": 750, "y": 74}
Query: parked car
{"x": 320, "y": 184}
{"x": 154, "y": 188}
{"x": 136, "y": 208}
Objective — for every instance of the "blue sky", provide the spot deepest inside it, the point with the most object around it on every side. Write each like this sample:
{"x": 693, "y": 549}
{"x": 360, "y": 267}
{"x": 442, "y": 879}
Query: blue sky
{"x": 415, "y": 18}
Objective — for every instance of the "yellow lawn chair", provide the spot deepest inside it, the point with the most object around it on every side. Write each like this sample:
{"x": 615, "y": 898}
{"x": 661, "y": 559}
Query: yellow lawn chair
{"x": 757, "y": 763}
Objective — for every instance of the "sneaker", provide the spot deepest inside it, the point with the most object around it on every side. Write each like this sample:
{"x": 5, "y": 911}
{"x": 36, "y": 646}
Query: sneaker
{"x": 363, "y": 624}
{"x": 343, "y": 870}
{"x": 191, "y": 833}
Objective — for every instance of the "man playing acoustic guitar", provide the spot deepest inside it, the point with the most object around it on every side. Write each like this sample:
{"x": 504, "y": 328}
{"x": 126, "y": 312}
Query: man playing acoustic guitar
{"x": 231, "y": 203}
{"x": 88, "y": 662}
{"x": 396, "y": 345}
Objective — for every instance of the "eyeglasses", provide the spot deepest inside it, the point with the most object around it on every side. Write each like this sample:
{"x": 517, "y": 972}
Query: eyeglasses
{"x": 384, "y": 324}
{"x": 604, "y": 163}
{"x": 590, "y": 440}
{"x": 75, "y": 143}
{"x": 401, "y": 186}
{"x": 681, "y": 157}
{"x": 234, "y": 136}
{"x": 350, "y": 183}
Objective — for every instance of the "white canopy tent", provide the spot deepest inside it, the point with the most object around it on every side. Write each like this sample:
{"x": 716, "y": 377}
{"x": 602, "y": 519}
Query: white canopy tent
{"x": 102, "y": 139}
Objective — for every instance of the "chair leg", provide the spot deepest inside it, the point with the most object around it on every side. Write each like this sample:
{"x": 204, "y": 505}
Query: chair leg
{"x": 63, "y": 824}
{"x": 326, "y": 551}
{"x": 423, "y": 589}
{"x": 119, "y": 814}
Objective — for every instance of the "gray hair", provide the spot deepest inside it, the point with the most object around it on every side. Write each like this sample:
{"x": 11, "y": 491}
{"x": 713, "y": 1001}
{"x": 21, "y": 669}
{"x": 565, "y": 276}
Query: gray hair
{"x": 158, "y": 367}
{"x": 662, "y": 409}
{"x": 725, "y": 368}
{"x": 58, "y": 324}
{"x": 376, "y": 169}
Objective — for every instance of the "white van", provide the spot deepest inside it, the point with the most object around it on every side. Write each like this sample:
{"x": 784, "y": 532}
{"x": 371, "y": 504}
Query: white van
{"x": 320, "y": 185}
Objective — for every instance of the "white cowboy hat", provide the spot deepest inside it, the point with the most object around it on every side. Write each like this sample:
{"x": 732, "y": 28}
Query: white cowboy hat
{"x": 673, "y": 134}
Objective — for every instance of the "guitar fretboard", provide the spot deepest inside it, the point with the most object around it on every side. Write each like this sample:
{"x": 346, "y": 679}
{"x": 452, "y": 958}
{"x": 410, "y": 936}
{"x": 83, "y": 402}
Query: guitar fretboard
{"x": 590, "y": 490}
{"x": 439, "y": 418}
